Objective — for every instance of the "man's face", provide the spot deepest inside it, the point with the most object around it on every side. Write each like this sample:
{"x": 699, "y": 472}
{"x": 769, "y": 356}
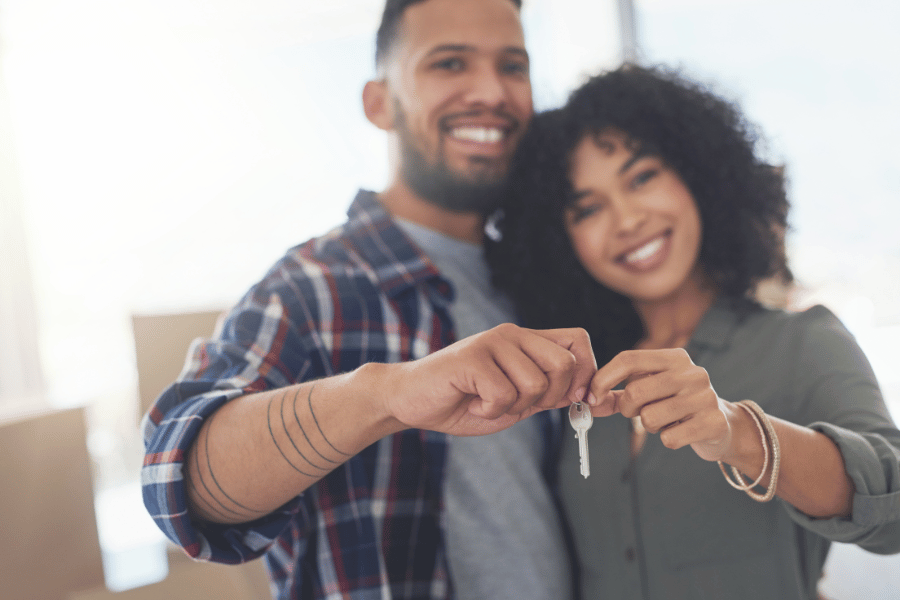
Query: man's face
{"x": 461, "y": 96}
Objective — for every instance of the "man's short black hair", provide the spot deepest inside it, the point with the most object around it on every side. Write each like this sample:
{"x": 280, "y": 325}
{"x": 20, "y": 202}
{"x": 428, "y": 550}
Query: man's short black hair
{"x": 390, "y": 27}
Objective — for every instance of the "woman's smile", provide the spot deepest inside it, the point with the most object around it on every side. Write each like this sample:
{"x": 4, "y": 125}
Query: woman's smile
{"x": 648, "y": 255}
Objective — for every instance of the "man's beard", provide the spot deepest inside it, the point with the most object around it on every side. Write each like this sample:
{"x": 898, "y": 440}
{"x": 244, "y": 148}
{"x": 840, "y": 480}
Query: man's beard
{"x": 438, "y": 184}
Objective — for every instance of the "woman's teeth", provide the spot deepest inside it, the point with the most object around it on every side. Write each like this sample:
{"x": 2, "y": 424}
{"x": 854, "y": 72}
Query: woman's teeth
{"x": 645, "y": 251}
{"x": 482, "y": 135}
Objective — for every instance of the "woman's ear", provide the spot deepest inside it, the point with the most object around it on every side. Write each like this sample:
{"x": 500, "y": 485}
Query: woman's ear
{"x": 376, "y": 104}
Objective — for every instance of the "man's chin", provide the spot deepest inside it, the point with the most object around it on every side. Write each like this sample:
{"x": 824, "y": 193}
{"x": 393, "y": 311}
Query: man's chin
{"x": 470, "y": 184}
{"x": 483, "y": 171}
{"x": 479, "y": 194}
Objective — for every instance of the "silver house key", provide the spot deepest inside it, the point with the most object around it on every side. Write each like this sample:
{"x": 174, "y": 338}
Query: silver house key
{"x": 581, "y": 419}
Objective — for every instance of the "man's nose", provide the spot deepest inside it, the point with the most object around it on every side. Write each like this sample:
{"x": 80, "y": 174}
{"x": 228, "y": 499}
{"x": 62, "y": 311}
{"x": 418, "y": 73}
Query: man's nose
{"x": 487, "y": 88}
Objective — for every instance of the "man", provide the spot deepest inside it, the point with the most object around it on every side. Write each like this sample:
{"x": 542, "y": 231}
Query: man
{"x": 313, "y": 429}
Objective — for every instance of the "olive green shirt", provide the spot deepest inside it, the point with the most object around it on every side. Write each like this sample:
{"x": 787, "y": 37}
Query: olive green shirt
{"x": 667, "y": 526}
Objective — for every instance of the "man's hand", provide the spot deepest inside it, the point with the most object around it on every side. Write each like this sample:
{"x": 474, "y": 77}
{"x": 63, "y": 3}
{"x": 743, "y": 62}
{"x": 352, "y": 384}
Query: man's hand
{"x": 490, "y": 381}
{"x": 260, "y": 450}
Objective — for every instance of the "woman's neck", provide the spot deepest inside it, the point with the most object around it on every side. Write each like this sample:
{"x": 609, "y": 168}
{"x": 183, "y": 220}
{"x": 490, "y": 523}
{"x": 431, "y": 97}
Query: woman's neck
{"x": 670, "y": 322}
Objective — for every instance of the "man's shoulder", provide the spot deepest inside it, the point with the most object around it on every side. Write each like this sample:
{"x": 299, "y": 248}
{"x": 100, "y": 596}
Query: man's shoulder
{"x": 367, "y": 248}
{"x": 325, "y": 259}
{"x": 368, "y": 225}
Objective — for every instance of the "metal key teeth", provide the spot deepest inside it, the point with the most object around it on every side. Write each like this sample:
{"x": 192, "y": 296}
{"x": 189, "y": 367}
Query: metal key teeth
{"x": 581, "y": 419}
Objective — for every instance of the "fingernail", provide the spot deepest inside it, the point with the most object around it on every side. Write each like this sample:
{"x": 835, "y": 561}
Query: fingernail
{"x": 592, "y": 399}
{"x": 579, "y": 394}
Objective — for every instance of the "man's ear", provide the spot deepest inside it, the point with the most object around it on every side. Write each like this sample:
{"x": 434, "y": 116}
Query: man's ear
{"x": 377, "y": 106}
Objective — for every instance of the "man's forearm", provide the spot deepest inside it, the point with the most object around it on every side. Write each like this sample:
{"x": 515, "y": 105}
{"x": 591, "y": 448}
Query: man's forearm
{"x": 260, "y": 450}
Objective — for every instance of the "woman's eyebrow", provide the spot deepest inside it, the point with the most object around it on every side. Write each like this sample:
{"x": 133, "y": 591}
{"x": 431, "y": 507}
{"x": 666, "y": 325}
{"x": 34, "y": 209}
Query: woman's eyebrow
{"x": 575, "y": 196}
{"x": 636, "y": 156}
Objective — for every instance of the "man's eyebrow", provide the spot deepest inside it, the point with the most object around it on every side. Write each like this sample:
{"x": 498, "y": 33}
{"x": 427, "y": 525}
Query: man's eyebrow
{"x": 516, "y": 50}
{"x": 469, "y": 48}
{"x": 451, "y": 48}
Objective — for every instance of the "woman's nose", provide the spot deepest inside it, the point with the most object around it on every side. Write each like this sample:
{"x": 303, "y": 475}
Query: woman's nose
{"x": 629, "y": 216}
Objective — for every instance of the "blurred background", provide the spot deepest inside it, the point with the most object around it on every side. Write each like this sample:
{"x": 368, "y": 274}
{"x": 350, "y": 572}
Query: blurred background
{"x": 157, "y": 156}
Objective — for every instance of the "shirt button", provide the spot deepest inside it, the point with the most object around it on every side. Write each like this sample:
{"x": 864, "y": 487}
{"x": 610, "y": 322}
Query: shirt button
{"x": 629, "y": 554}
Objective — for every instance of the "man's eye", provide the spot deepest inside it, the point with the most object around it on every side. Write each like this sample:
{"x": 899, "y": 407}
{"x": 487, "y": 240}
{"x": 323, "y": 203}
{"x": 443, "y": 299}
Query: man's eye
{"x": 449, "y": 64}
{"x": 515, "y": 68}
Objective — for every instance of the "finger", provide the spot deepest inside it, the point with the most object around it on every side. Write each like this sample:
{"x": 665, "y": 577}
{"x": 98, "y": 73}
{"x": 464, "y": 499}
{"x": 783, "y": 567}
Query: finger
{"x": 677, "y": 435}
{"x": 708, "y": 433}
{"x": 558, "y": 365}
{"x": 686, "y": 395}
{"x": 607, "y": 405}
{"x": 491, "y": 389}
{"x": 646, "y": 390}
{"x": 533, "y": 373}
{"x": 578, "y": 343}
{"x": 631, "y": 363}
{"x": 657, "y": 416}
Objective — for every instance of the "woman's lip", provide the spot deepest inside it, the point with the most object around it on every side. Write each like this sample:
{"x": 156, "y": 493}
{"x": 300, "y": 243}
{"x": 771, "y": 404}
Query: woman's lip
{"x": 648, "y": 254}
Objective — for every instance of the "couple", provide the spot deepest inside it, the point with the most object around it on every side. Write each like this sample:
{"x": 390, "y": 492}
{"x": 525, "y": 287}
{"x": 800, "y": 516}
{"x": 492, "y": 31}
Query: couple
{"x": 314, "y": 427}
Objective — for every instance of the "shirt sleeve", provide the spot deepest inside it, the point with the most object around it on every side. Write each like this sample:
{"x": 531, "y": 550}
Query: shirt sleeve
{"x": 844, "y": 402}
{"x": 256, "y": 348}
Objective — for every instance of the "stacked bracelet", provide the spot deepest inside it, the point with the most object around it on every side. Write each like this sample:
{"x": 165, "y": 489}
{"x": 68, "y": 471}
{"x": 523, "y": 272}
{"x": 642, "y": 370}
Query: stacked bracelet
{"x": 770, "y": 447}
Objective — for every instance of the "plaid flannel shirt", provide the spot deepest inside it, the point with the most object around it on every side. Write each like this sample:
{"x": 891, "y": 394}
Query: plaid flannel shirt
{"x": 372, "y": 527}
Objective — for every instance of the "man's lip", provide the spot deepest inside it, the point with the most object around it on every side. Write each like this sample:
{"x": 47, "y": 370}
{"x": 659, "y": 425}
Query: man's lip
{"x": 505, "y": 126}
{"x": 478, "y": 134}
{"x": 506, "y": 123}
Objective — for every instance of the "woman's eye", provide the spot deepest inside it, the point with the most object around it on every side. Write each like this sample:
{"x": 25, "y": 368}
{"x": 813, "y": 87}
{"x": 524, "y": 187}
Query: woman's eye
{"x": 579, "y": 213}
{"x": 643, "y": 177}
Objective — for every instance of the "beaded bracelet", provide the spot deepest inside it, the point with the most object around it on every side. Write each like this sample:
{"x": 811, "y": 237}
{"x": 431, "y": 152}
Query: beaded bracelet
{"x": 769, "y": 440}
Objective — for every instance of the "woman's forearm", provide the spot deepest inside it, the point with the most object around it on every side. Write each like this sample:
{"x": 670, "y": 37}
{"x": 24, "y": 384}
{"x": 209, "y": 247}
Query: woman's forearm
{"x": 812, "y": 478}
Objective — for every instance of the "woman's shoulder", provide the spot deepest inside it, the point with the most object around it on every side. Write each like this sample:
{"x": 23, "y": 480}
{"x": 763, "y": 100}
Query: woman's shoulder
{"x": 812, "y": 317}
{"x": 813, "y": 329}
{"x": 811, "y": 334}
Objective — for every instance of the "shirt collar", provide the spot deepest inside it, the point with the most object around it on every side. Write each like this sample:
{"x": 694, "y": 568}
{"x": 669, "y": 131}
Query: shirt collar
{"x": 398, "y": 264}
{"x": 717, "y": 327}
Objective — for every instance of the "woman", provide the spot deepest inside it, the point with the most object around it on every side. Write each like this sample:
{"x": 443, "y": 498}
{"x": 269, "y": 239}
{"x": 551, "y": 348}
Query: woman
{"x": 642, "y": 212}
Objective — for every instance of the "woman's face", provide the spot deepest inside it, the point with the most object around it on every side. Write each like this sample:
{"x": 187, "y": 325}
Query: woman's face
{"x": 634, "y": 225}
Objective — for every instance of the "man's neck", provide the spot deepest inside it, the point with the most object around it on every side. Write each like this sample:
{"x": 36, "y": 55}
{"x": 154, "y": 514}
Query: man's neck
{"x": 401, "y": 201}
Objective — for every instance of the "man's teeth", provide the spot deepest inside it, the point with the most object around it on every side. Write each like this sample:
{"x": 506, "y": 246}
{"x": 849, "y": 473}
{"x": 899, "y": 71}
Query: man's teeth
{"x": 483, "y": 135}
{"x": 645, "y": 251}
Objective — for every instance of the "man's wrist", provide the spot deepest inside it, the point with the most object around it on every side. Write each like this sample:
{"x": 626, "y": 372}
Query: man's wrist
{"x": 374, "y": 384}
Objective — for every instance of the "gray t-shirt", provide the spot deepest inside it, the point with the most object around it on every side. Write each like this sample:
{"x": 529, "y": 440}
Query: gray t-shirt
{"x": 667, "y": 526}
{"x": 504, "y": 538}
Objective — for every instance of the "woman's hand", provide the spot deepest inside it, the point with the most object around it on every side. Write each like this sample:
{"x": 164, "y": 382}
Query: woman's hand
{"x": 673, "y": 397}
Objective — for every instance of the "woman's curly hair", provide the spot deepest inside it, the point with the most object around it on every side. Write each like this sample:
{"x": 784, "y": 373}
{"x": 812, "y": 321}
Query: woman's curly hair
{"x": 709, "y": 144}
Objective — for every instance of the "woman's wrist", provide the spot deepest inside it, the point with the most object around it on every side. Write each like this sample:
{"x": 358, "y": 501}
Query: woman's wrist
{"x": 771, "y": 446}
{"x": 746, "y": 453}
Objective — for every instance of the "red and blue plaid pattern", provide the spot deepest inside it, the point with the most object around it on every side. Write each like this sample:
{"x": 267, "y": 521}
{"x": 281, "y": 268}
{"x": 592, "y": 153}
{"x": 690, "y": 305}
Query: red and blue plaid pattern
{"x": 371, "y": 528}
